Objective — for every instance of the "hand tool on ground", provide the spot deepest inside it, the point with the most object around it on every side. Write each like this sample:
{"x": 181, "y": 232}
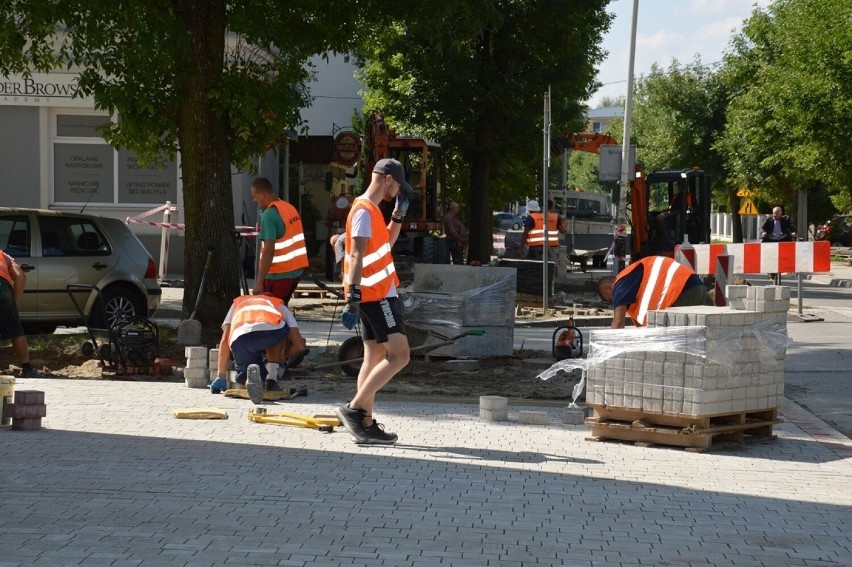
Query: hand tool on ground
{"x": 189, "y": 330}
{"x": 268, "y": 395}
{"x": 321, "y": 422}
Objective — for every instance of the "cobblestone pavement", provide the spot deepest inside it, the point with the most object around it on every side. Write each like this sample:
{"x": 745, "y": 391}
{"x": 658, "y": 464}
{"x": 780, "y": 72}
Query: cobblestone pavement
{"x": 114, "y": 479}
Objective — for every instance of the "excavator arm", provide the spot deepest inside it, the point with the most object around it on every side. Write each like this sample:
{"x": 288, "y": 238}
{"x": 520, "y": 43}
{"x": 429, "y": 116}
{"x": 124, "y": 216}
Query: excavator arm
{"x": 580, "y": 141}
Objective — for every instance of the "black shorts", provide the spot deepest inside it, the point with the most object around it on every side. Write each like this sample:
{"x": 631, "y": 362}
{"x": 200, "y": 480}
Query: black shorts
{"x": 10, "y": 321}
{"x": 382, "y": 318}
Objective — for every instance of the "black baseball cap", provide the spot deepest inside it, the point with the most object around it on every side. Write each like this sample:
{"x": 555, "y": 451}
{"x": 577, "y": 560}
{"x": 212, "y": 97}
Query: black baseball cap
{"x": 390, "y": 166}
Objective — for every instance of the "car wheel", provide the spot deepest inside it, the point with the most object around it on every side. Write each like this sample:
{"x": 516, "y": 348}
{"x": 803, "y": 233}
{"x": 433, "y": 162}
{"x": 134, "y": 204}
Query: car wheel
{"x": 119, "y": 303}
{"x": 516, "y": 226}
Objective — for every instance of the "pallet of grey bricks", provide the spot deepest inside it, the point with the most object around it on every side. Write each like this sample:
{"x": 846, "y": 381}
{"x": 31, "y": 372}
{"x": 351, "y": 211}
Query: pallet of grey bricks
{"x": 27, "y": 410}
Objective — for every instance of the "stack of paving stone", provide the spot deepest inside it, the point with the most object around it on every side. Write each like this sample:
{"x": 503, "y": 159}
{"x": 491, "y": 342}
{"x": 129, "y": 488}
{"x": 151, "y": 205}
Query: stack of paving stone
{"x": 27, "y": 410}
{"x": 455, "y": 299}
{"x": 196, "y": 373}
{"x": 696, "y": 361}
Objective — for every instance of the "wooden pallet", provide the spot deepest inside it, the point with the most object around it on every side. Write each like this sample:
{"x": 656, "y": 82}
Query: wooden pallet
{"x": 694, "y": 433}
{"x": 307, "y": 291}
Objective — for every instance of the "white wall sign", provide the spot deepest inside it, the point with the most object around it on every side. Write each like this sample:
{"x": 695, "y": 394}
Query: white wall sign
{"x": 42, "y": 89}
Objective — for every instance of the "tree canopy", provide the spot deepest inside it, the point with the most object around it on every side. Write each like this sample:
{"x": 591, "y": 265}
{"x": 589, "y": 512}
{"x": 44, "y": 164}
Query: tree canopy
{"x": 218, "y": 81}
{"x": 788, "y": 124}
{"x": 472, "y": 75}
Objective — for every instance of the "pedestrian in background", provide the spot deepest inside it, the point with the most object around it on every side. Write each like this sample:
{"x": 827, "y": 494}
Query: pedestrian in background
{"x": 456, "y": 234}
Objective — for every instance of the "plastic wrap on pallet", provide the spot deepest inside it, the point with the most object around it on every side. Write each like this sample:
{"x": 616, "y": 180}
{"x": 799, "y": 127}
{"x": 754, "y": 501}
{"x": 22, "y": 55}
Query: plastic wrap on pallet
{"x": 732, "y": 353}
{"x": 490, "y": 305}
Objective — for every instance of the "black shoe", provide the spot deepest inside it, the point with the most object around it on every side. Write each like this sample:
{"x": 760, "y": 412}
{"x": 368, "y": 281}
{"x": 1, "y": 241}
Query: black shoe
{"x": 273, "y": 386}
{"x": 352, "y": 419}
{"x": 376, "y": 434}
{"x": 31, "y": 372}
{"x": 254, "y": 385}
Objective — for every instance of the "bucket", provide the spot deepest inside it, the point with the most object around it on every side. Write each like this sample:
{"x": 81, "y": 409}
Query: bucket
{"x": 7, "y": 391}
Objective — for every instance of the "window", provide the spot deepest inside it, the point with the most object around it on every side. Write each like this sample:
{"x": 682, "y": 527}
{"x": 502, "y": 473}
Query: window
{"x": 15, "y": 236}
{"x": 61, "y": 236}
{"x": 87, "y": 170}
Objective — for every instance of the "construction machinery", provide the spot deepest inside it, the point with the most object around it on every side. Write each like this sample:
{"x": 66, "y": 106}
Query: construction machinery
{"x": 425, "y": 171}
{"x": 665, "y": 205}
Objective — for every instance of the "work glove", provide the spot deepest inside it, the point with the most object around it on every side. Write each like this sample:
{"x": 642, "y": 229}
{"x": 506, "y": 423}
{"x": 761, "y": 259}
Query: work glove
{"x": 350, "y": 313}
{"x": 401, "y": 204}
{"x": 219, "y": 385}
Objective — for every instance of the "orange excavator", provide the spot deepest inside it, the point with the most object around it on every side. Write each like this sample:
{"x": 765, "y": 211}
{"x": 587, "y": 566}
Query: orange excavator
{"x": 425, "y": 171}
{"x": 665, "y": 205}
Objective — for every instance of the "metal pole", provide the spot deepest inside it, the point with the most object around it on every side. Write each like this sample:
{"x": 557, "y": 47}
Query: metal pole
{"x": 625, "y": 138}
{"x": 544, "y": 181}
{"x": 287, "y": 170}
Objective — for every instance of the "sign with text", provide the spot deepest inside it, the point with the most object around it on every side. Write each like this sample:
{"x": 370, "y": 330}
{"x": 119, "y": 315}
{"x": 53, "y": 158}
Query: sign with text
{"x": 347, "y": 148}
{"x": 42, "y": 89}
{"x": 82, "y": 173}
{"x": 138, "y": 184}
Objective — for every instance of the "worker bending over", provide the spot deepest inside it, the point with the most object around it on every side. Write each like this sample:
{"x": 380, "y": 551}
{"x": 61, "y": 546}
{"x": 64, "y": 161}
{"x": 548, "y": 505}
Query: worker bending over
{"x": 651, "y": 284}
{"x": 256, "y": 325}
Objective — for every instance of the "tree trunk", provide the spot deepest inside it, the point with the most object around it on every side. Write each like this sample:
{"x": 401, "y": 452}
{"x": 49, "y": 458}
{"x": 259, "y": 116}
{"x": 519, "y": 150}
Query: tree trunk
{"x": 480, "y": 244}
{"x": 206, "y": 167}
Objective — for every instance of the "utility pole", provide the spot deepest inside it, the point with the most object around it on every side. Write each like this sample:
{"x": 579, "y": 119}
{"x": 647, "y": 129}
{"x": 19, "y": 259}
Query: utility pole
{"x": 544, "y": 177}
{"x": 619, "y": 231}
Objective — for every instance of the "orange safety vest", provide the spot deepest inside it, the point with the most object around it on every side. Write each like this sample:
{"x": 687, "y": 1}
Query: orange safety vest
{"x": 378, "y": 271}
{"x": 535, "y": 237}
{"x": 255, "y": 312}
{"x": 290, "y": 252}
{"x": 6, "y": 268}
{"x": 662, "y": 282}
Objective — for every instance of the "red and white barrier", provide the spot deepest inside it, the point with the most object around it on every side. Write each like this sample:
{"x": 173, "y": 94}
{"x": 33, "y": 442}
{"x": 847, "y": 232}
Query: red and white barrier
{"x": 765, "y": 257}
{"x": 723, "y": 270}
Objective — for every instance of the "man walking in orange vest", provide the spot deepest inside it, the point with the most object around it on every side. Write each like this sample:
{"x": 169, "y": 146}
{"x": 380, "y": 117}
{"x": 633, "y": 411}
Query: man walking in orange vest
{"x": 256, "y": 325}
{"x": 283, "y": 256}
{"x": 651, "y": 284}
{"x": 370, "y": 282}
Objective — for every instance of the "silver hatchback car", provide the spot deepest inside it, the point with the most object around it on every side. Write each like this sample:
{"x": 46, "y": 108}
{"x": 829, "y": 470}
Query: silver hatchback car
{"x": 55, "y": 249}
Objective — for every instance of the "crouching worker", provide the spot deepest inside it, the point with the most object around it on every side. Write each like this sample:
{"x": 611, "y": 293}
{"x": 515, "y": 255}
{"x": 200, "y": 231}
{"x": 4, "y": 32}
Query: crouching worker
{"x": 651, "y": 284}
{"x": 257, "y": 325}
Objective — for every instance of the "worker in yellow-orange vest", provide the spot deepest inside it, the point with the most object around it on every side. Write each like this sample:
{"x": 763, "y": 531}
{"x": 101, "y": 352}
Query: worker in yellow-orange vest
{"x": 370, "y": 283}
{"x": 651, "y": 284}
{"x": 256, "y": 325}
{"x": 283, "y": 256}
{"x": 533, "y": 236}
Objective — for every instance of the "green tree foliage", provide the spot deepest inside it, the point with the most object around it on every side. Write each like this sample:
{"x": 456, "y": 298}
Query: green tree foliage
{"x": 472, "y": 76}
{"x": 217, "y": 81}
{"x": 788, "y": 124}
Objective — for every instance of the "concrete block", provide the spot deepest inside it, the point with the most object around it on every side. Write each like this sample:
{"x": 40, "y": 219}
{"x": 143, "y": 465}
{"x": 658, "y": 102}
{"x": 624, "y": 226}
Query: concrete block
{"x": 19, "y": 411}
{"x": 532, "y": 417}
{"x": 493, "y": 402}
{"x": 573, "y": 416}
{"x": 197, "y": 363}
{"x": 493, "y": 415}
{"x": 213, "y": 357}
{"x": 195, "y": 373}
{"x": 195, "y": 352}
{"x": 28, "y": 424}
{"x": 29, "y": 397}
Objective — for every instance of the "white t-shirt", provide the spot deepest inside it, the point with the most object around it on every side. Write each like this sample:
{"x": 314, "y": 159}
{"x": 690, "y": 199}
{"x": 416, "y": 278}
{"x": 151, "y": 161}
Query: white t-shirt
{"x": 288, "y": 320}
{"x": 362, "y": 227}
